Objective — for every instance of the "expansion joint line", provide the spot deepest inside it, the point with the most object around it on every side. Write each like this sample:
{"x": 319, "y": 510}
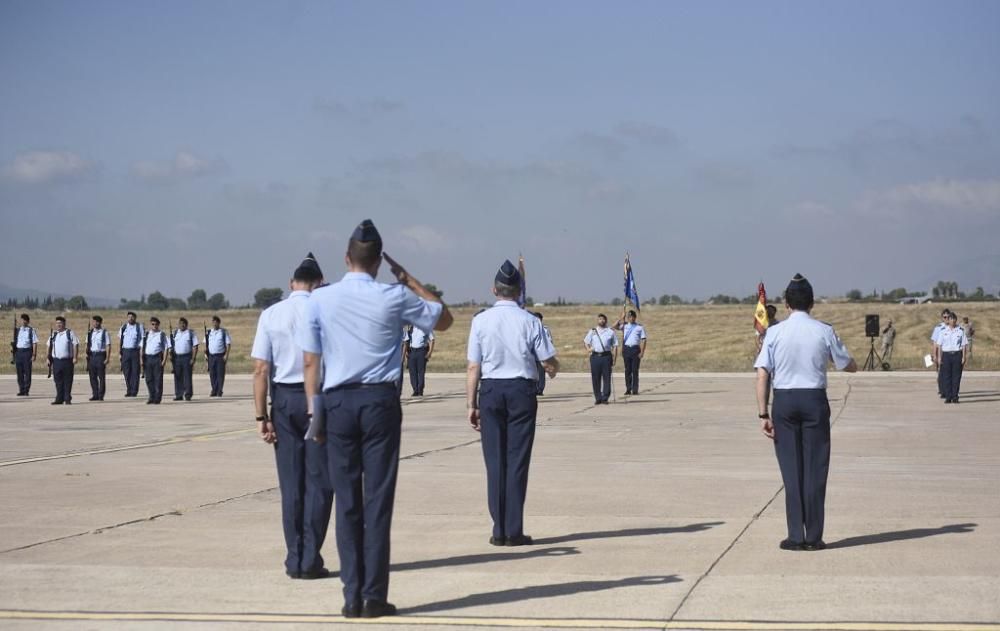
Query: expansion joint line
{"x": 751, "y": 522}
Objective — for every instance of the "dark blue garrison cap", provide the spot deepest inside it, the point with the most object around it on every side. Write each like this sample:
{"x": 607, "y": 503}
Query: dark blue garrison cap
{"x": 508, "y": 274}
{"x": 799, "y": 283}
{"x": 366, "y": 233}
{"x": 308, "y": 269}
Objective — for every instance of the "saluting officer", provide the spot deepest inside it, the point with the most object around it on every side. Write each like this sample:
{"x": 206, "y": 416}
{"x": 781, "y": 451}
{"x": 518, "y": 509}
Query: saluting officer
{"x": 185, "y": 345}
{"x": 793, "y": 358}
{"x": 306, "y": 496}
{"x": 130, "y": 352}
{"x": 936, "y": 349}
{"x": 633, "y": 350}
{"x": 155, "y": 345}
{"x": 602, "y": 343}
{"x": 98, "y": 355}
{"x": 27, "y": 350}
{"x": 417, "y": 348}
{"x": 217, "y": 345}
{"x": 64, "y": 351}
{"x": 505, "y": 342}
{"x": 355, "y": 327}
{"x": 953, "y": 349}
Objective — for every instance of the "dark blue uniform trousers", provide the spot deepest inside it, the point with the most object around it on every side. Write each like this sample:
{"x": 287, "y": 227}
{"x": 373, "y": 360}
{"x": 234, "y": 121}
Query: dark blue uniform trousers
{"x": 62, "y": 377}
{"x": 22, "y": 363}
{"x": 600, "y": 375}
{"x": 131, "y": 369}
{"x": 630, "y": 357}
{"x": 507, "y": 409}
{"x": 154, "y": 376}
{"x": 418, "y": 368}
{"x": 801, "y": 420}
{"x": 182, "y": 377}
{"x": 217, "y": 372}
{"x": 306, "y": 495}
{"x": 98, "y": 374}
{"x": 362, "y": 438}
{"x": 951, "y": 374}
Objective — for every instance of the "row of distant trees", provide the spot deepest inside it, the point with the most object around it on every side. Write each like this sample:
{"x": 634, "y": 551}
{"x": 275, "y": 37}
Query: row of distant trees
{"x": 944, "y": 290}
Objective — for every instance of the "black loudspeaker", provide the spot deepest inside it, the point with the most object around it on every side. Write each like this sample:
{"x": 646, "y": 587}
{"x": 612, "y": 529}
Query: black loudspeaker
{"x": 871, "y": 325}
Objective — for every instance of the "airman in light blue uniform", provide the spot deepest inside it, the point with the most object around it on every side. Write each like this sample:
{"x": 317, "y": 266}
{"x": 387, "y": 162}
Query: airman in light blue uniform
{"x": 505, "y": 344}
{"x": 602, "y": 343}
{"x": 130, "y": 338}
{"x": 155, "y": 347}
{"x": 936, "y": 350}
{"x": 306, "y": 495}
{"x": 953, "y": 348}
{"x": 98, "y": 355}
{"x": 185, "y": 343}
{"x": 633, "y": 349}
{"x": 217, "y": 346}
{"x": 793, "y": 358}
{"x": 418, "y": 348}
{"x": 355, "y": 327}
{"x": 25, "y": 352}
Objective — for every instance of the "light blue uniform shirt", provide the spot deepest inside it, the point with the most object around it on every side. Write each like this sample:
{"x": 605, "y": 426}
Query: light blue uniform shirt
{"x": 131, "y": 335}
{"x": 26, "y": 336}
{"x": 357, "y": 327}
{"x": 157, "y": 342}
{"x": 951, "y": 340}
{"x": 184, "y": 341}
{"x": 418, "y": 339}
{"x": 63, "y": 343}
{"x": 218, "y": 340}
{"x": 276, "y": 334}
{"x": 937, "y": 331}
{"x": 100, "y": 340}
{"x": 796, "y": 351}
{"x": 633, "y": 334}
{"x": 601, "y": 340}
{"x": 507, "y": 341}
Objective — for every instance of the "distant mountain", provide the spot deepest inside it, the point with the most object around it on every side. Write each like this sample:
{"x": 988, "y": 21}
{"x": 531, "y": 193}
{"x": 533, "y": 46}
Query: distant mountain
{"x": 7, "y": 292}
{"x": 978, "y": 272}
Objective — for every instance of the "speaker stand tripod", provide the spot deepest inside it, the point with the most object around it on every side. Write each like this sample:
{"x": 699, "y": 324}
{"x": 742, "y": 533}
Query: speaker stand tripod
{"x": 870, "y": 362}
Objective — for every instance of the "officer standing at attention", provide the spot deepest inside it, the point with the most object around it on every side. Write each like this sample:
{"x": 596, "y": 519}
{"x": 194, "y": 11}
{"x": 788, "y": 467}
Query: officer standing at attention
{"x": 355, "y": 328}
{"x": 505, "y": 342}
{"x": 602, "y": 343}
{"x": 185, "y": 345}
{"x": 793, "y": 358}
{"x": 129, "y": 351}
{"x": 540, "y": 390}
{"x": 217, "y": 346}
{"x": 64, "y": 351}
{"x": 27, "y": 350}
{"x": 953, "y": 348}
{"x": 155, "y": 345}
{"x": 98, "y": 356}
{"x": 417, "y": 348}
{"x": 936, "y": 349}
{"x": 633, "y": 350}
{"x": 306, "y": 496}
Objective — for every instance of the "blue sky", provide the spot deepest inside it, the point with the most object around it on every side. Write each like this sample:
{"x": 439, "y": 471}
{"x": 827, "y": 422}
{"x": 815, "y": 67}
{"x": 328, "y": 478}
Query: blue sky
{"x": 179, "y": 145}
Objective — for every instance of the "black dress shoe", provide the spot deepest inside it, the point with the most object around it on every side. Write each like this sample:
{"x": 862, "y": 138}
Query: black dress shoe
{"x": 816, "y": 545}
{"x": 519, "y": 540}
{"x": 68, "y": 403}
{"x": 788, "y": 544}
{"x": 947, "y": 400}
{"x": 312, "y": 575}
{"x": 377, "y": 609}
{"x": 93, "y": 399}
{"x": 351, "y": 610}
{"x": 498, "y": 541}
{"x": 178, "y": 398}
{"x": 56, "y": 403}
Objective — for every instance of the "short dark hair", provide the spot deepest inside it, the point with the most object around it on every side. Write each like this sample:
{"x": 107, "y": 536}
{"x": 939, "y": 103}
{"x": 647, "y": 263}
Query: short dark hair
{"x": 364, "y": 253}
{"x": 799, "y": 295}
{"x": 945, "y": 312}
{"x": 61, "y": 319}
{"x": 771, "y": 310}
{"x": 97, "y": 319}
{"x": 506, "y": 291}
{"x": 131, "y": 313}
{"x": 154, "y": 319}
{"x": 26, "y": 317}
{"x": 217, "y": 319}
{"x": 632, "y": 313}
{"x": 184, "y": 320}
{"x": 601, "y": 315}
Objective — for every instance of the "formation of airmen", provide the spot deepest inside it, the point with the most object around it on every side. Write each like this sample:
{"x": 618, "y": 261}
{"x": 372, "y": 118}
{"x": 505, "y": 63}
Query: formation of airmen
{"x": 142, "y": 353}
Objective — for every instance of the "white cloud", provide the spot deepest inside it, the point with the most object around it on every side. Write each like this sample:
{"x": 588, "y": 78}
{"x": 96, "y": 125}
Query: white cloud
{"x": 39, "y": 167}
{"x": 421, "y": 238}
{"x": 185, "y": 164}
{"x": 965, "y": 196}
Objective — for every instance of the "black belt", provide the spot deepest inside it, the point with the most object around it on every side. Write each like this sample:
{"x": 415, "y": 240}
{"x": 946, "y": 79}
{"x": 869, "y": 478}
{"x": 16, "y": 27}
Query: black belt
{"x": 24, "y": 349}
{"x": 604, "y": 354}
{"x": 362, "y": 386}
{"x": 632, "y": 346}
{"x": 92, "y": 353}
{"x": 951, "y": 352}
{"x": 290, "y": 386}
{"x": 217, "y": 354}
{"x": 418, "y": 348}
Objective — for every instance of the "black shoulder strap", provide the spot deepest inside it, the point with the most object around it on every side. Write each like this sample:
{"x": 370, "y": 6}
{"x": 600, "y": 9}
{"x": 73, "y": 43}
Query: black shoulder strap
{"x": 598, "y": 336}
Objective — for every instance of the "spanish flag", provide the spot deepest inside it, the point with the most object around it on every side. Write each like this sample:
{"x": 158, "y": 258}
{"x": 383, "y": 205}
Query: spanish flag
{"x": 760, "y": 313}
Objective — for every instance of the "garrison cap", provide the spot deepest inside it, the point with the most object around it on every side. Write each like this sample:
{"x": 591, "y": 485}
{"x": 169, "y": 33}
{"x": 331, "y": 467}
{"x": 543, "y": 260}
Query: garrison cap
{"x": 308, "y": 270}
{"x": 366, "y": 233}
{"x": 508, "y": 274}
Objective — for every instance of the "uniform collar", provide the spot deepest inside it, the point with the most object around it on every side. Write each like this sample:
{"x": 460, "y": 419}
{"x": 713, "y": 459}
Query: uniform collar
{"x": 798, "y": 314}
{"x": 298, "y": 292}
{"x": 504, "y": 302}
{"x": 358, "y": 276}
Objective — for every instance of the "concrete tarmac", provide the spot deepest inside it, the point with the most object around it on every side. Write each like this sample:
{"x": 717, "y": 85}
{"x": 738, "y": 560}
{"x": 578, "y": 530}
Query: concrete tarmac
{"x": 660, "y": 511}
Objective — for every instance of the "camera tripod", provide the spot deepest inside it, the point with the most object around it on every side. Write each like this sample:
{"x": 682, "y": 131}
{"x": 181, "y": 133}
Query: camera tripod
{"x": 873, "y": 356}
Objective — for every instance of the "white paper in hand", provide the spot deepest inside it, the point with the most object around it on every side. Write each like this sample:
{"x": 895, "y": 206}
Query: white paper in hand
{"x": 928, "y": 361}
{"x": 318, "y": 420}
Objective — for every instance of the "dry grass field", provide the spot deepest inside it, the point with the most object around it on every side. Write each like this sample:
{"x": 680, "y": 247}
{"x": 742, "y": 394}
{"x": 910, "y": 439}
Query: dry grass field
{"x": 685, "y": 338}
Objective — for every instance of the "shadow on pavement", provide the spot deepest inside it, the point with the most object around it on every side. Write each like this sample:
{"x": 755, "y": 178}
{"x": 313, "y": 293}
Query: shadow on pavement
{"x": 538, "y": 591}
{"x": 900, "y": 535}
{"x": 473, "y": 559}
{"x": 627, "y": 532}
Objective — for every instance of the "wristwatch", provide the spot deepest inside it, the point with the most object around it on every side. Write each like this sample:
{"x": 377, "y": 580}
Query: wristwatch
{"x": 261, "y": 418}
{"x": 765, "y": 415}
